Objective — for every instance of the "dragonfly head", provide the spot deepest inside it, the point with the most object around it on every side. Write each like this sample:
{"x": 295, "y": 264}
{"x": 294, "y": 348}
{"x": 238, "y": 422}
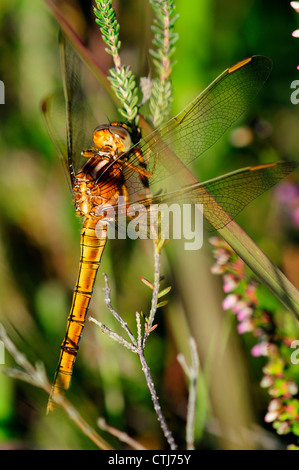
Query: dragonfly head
{"x": 114, "y": 138}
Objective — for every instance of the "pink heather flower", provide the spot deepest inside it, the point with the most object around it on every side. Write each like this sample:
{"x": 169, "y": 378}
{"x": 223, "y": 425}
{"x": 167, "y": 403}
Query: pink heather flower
{"x": 219, "y": 243}
{"x": 216, "y": 269}
{"x": 239, "y": 306}
{"x": 283, "y": 428}
{"x": 272, "y": 350}
{"x": 229, "y": 301}
{"x": 274, "y": 405}
{"x": 271, "y": 416}
{"x": 245, "y": 326}
{"x": 292, "y": 411}
{"x": 260, "y": 349}
{"x": 267, "y": 381}
{"x": 257, "y": 332}
{"x": 215, "y": 241}
{"x": 244, "y": 312}
{"x": 293, "y": 388}
{"x": 287, "y": 193}
{"x": 251, "y": 292}
{"x": 295, "y": 5}
{"x": 275, "y": 408}
{"x": 221, "y": 255}
{"x": 229, "y": 283}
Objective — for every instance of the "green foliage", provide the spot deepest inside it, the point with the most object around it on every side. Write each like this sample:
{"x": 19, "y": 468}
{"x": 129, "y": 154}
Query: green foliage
{"x": 164, "y": 40}
{"x": 123, "y": 83}
{"x": 121, "y": 78}
{"x": 109, "y": 26}
{"x": 164, "y": 35}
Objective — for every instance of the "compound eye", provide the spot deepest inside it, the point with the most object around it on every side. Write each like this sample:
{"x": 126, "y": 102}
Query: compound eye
{"x": 101, "y": 136}
{"x": 100, "y": 127}
{"x": 123, "y": 135}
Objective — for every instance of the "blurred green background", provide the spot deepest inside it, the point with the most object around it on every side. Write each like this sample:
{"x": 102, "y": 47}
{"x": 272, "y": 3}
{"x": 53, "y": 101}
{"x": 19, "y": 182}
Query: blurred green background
{"x": 39, "y": 244}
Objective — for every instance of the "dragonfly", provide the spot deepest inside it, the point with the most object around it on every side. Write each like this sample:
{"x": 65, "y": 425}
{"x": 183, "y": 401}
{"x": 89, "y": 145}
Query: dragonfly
{"x": 111, "y": 161}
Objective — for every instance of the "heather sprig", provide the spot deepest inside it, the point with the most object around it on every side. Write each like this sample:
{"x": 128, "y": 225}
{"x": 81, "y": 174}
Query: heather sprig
{"x": 158, "y": 90}
{"x": 121, "y": 77}
{"x": 274, "y": 339}
{"x": 164, "y": 41}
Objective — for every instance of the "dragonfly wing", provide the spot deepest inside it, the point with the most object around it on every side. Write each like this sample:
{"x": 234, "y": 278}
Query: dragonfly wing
{"x": 234, "y": 191}
{"x": 222, "y": 198}
{"x": 53, "y": 110}
{"x": 68, "y": 118}
{"x": 201, "y": 123}
{"x": 79, "y": 119}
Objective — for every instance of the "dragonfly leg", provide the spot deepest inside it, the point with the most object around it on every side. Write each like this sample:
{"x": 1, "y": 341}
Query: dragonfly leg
{"x": 142, "y": 171}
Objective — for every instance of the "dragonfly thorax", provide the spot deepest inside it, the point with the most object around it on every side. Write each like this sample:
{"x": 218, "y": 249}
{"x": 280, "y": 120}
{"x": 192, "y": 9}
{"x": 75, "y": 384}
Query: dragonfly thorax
{"x": 100, "y": 180}
{"x": 97, "y": 183}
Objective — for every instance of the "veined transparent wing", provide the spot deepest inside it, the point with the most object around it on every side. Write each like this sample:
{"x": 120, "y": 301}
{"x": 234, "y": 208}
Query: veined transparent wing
{"x": 223, "y": 198}
{"x": 68, "y": 118}
{"x": 200, "y": 124}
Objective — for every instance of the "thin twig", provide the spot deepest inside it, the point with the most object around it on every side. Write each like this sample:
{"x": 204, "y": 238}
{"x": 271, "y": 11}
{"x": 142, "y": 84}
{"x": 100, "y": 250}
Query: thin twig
{"x": 155, "y": 294}
{"x": 112, "y": 334}
{"x": 122, "y": 436}
{"x": 123, "y": 324}
{"x": 139, "y": 334}
{"x": 166, "y": 431}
